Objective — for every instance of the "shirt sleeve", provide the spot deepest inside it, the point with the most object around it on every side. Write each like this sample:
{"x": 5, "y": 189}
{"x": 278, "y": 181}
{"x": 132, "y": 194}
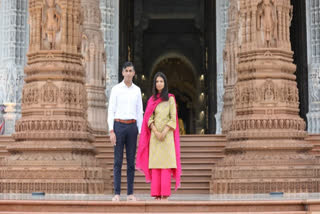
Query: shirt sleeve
{"x": 139, "y": 111}
{"x": 112, "y": 108}
{"x": 172, "y": 113}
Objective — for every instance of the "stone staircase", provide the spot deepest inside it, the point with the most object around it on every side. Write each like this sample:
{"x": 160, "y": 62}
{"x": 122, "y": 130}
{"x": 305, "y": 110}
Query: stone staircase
{"x": 198, "y": 154}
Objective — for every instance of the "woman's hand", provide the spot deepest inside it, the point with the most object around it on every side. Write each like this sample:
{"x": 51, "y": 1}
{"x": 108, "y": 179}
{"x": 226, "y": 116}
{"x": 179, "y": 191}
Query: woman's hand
{"x": 164, "y": 132}
{"x": 156, "y": 132}
{"x": 153, "y": 127}
{"x": 159, "y": 135}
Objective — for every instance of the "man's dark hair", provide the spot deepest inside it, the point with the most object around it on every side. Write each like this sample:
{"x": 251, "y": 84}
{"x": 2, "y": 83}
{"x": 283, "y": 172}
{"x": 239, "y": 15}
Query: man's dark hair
{"x": 164, "y": 93}
{"x": 127, "y": 64}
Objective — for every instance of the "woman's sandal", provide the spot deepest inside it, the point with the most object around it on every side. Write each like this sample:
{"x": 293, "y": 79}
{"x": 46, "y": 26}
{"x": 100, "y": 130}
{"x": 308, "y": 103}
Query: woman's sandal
{"x": 164, "y": 198}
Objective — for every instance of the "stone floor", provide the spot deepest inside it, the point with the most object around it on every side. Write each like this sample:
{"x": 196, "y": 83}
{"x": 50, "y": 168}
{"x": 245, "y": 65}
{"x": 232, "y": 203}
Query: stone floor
{"x": 174, "y": 197}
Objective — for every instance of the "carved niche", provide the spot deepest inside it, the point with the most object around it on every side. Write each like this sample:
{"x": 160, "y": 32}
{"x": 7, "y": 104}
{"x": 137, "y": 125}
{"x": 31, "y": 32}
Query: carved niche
{"x": 49, "y": 93}
{"x": 267, "y": 23}
{"x": 51, "y": 25}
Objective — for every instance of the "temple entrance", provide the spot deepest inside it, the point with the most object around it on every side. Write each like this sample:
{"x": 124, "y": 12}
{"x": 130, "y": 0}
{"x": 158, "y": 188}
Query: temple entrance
{"x": 182, "y": 83}
{"x": 173, "y": 36}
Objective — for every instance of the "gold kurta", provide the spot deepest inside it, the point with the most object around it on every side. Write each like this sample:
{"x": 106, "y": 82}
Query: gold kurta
{"x": 162, "y": 154}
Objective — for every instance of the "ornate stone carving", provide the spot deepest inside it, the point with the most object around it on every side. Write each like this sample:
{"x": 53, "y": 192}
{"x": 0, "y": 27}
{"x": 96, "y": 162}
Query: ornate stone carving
{"x": 13, "y": 47}
{"x": 110, "y": 28}
{"x": 51, "y": 24}
{"x": 53, "y": 134}
{"x": 94, "y": 61}
{"x": 230, "y": 60}
{"x": 222, "y": 25}
{"x": 49, "y": 93}
{"x": 313, "y": 47}
{"x": 267, "y": 22}
{"x": 266, "y": 150}
{"x": 30, "y": 95}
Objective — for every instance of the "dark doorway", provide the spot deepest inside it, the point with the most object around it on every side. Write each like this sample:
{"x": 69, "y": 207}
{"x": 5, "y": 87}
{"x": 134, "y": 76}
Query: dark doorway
{"x": 154, "y": 30}
{"x": 298, "y": 37}
{"x": 172, "y": 36}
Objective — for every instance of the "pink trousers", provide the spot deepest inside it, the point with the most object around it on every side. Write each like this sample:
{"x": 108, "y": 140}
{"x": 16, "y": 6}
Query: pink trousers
{"x": 161, "y": 182}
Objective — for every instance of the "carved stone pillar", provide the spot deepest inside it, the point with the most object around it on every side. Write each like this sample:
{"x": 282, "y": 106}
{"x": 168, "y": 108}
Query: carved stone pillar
{"x": 222, "y": 25}
{"x": 313, "y": 31}
{"x": 230, "y": 61}
{"x": 13, "y": 48}
{"x": 94, "y": 62}
{"x": 52, "y": 151}
{"x": 266, "y": 150}
{"x": 110, "y": 28}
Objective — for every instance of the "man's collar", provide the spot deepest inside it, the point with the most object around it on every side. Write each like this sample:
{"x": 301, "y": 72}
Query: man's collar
{"x": 124, "y": 85}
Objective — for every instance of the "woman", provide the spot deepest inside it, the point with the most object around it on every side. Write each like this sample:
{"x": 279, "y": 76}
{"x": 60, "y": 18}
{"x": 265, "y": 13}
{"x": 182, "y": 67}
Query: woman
{"x": 158, "y": 154}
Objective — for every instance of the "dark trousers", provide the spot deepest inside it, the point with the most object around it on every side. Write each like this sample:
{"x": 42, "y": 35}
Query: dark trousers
{"x": 126, "y": 135}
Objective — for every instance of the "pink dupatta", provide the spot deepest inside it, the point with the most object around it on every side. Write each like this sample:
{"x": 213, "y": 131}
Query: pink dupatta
{"x": 142, "y": 160}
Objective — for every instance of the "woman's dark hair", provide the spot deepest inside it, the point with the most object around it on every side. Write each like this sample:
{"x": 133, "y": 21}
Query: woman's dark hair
{"x": 127, "y": 64}
{"x": 164, "y": 92}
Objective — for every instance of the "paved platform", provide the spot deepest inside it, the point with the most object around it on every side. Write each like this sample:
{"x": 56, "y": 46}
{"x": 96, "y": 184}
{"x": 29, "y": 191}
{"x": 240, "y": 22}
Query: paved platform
{"x": 197, "y": 203}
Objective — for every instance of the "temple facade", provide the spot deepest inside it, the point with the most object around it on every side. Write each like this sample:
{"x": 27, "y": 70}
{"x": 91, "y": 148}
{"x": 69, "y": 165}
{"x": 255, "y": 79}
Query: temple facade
{"x": 186, "y": 39}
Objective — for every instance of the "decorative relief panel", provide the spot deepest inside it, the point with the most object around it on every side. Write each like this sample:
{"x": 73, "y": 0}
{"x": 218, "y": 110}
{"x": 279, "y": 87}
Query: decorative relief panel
{"x": 49, "y": 93}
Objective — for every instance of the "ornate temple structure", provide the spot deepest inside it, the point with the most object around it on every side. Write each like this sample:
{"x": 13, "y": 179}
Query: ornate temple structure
{"x": 131, "y": 29}
{"x": 14, "y": 39}
{"x": 248, "y": 69}
{"x": 53, "y": 149}
{"x": 266, "y": 149}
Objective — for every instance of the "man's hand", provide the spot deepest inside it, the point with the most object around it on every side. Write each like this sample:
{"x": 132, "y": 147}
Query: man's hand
{"x": 113, "y": 138}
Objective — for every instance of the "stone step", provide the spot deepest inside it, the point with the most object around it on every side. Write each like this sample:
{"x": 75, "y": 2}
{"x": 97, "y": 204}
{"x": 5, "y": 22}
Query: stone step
{"x": 191, "y": 149}
{"x": 185, "y": 179}
{"x": 191, "y": 206}
{"x": 283, "y": 212}
{"x": 184, "y": 156}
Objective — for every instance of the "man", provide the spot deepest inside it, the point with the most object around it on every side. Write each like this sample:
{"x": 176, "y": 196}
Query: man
{"x": 125, "y": 116}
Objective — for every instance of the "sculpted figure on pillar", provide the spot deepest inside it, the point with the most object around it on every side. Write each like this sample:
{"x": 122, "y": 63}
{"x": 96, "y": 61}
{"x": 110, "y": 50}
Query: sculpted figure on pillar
{"x": 267, "y": 22}
{"x": 51, "y": 23}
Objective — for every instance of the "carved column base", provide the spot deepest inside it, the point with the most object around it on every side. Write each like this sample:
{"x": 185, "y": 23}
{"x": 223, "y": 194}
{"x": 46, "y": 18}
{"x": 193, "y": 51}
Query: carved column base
{"x": 62, "y": 169}
{"x": 63, "y": 180}
{"x": 270, "y": 170}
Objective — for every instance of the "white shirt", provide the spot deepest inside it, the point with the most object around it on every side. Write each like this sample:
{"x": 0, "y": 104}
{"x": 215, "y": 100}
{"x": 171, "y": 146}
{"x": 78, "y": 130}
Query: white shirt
{"x": 125, "y": 103}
